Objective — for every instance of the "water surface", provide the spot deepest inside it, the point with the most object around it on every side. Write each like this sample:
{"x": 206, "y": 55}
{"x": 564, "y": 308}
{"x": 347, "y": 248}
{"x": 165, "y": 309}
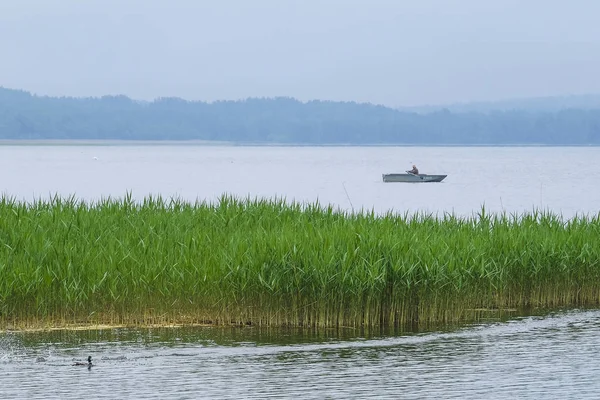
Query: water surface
{"x": 510, "y": 179}
{"x": 551, "y": 357}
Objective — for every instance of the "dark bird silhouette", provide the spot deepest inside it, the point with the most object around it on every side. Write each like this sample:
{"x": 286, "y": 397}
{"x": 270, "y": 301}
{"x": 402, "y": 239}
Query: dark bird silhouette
{"x": 85, "y": 364}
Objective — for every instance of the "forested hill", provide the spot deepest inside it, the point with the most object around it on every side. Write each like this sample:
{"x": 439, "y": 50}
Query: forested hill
{"x": 532, "y": 104}
{"x": 283, "y": 120}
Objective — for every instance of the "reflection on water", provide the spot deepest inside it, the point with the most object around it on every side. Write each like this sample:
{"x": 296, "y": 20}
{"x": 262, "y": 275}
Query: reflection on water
{"x": 529, "y": 358}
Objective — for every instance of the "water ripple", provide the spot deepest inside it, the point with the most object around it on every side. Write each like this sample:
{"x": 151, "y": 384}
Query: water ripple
{"x": 528, "y": 358}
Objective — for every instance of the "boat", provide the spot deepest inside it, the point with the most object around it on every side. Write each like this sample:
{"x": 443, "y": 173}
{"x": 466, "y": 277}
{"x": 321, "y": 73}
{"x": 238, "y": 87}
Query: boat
{"x": 408, "y": 177}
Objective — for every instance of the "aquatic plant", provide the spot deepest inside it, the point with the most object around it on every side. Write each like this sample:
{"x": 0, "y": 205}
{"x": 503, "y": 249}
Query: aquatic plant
{"x": 272, "y": 262}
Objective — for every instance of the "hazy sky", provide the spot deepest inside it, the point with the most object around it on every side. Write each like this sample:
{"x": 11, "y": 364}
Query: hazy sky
{"x": 391, "y": 52}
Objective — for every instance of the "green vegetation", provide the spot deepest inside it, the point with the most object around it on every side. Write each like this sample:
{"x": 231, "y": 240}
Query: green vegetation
{"x": 269, "y": 262}
{"x": 285, "y": 120}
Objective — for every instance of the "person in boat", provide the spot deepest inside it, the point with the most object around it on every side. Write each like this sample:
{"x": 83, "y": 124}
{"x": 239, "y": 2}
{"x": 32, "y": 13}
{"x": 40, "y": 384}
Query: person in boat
{"x": 414, "y": 170}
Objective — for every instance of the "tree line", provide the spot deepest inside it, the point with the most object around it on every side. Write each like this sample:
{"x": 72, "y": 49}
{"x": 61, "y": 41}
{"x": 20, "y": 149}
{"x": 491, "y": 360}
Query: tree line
{"x": 284, "y": 120}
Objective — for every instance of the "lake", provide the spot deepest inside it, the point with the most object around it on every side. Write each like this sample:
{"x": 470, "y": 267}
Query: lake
{"x": 503, "y": 179}
{"x": 551, "y": 357}
{"x": 528, "y": 357}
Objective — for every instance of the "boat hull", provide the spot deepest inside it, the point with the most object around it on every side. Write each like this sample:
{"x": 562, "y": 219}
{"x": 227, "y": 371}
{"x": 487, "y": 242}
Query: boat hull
{"x": 412, "y": 178}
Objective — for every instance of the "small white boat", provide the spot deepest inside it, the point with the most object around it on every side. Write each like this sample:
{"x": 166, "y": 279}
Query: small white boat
{"x": 412, "y": 178}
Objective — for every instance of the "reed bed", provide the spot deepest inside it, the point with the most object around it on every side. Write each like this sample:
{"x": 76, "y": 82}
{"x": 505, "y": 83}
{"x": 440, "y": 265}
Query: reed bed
{"x": 278, "y": 263}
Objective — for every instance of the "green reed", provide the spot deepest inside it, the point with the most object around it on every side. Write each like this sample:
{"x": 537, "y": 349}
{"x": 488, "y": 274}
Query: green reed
{"x": 272, "y": 262}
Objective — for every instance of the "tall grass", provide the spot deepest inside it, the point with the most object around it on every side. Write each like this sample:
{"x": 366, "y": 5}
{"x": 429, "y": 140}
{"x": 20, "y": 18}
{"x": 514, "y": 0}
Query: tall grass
{"x": 270, "y": 262}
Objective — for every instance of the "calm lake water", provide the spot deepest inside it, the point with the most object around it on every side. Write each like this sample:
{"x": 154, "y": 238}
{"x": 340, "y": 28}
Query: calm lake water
{"x": 511, "y": 179}
{"x": 551, "y": 357}
{"x": 554, "y": 357}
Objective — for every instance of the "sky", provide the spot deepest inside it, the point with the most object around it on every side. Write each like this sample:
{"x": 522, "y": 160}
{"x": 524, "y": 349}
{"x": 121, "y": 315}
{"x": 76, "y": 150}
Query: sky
{"x": 392, "y": 52}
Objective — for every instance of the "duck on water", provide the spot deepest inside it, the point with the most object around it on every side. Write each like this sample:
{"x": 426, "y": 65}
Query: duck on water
{"x": 85, "y": 364}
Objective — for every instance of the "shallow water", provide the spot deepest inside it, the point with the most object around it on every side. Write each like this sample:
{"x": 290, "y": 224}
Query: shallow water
{"x": 527, "y": 358}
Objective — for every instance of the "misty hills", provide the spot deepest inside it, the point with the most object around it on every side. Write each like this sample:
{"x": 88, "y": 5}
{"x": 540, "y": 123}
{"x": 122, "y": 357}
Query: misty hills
{"x": 536, "y": 104}
{"x": 287, "y": 121}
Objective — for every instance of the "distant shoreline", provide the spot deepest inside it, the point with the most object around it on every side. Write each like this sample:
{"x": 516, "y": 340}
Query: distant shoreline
{"x": 280, "y": 121}
{"x": 107, "y": 142}
{"x": 113, "y": 142}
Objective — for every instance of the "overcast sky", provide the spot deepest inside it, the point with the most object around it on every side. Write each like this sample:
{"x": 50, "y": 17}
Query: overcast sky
{"x": 392, "y": 52}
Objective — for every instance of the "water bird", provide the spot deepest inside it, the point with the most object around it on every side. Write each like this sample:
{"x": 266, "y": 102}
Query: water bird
{"x": 85, "y": 364}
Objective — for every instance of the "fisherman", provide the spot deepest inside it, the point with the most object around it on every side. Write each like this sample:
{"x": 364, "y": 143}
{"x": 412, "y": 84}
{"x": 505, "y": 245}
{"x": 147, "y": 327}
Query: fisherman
{"x": 414, "y": 170}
